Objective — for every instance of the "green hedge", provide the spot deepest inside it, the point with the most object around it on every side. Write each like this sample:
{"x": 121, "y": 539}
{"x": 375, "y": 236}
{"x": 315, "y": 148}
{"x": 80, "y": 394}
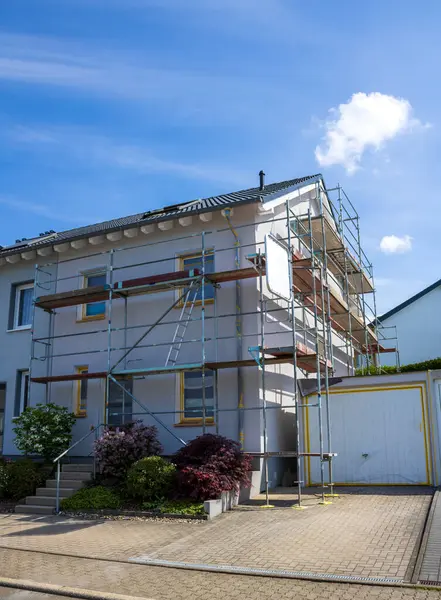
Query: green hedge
{"x": 97, "y": 498}
{"x": 20, "y": 478}
{"x": 427, "y": 365}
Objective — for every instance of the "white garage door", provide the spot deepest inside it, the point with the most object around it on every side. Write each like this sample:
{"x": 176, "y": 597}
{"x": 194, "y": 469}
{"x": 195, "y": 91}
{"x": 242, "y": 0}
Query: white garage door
{"x": 380, "y": 436}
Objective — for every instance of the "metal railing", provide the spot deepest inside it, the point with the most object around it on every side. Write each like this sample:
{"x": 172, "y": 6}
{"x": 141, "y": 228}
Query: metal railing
{"x": 94, "y": 430}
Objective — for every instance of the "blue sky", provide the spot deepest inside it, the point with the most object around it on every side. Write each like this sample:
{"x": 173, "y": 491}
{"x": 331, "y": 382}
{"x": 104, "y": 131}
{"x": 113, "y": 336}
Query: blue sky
{"x": 110, "y": 107}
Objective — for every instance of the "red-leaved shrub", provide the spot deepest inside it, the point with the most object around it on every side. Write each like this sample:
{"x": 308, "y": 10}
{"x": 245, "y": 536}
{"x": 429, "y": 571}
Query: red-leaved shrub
{"x": 119, "y": 448}
{"x": 211, "y": 464}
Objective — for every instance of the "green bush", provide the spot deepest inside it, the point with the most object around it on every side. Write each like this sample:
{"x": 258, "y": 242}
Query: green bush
{"x": 150, "y": 478}
{"x": 44, "y": 430}
{"x": 175, "y": 507}
{"x": 23, "y": 477}
{"x": 427, "y": 365}
{"x": 183, "y": 507}
{"x": 92, "y": 498}
{"x": 4, "y": 478}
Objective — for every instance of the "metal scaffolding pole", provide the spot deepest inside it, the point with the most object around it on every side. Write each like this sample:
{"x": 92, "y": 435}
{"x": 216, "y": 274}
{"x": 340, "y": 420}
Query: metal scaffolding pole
{"x": 261, "y": 358}
{"x": 327, "y": 339}
{"x": 203, "y": 357}
{"x": 294, "y": 358}
{"x": 317, "y": 350}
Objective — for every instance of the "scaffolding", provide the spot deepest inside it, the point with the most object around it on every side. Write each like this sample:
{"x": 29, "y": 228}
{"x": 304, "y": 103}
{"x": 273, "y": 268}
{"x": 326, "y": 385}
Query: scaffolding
{"x": 328, "y": 309}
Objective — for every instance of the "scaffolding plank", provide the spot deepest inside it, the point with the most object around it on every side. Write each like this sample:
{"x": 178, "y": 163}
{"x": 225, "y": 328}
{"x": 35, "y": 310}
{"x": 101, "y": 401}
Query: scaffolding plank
{"x": 304, "y": 362}
{"x": 70, "y": 377}
{"x": 96, "y": 293}
{"x": 158, "y": 370}
{"x": 304, "y": 279}
{"x": 331, "y": 240}
{"x": 288, "y": 453}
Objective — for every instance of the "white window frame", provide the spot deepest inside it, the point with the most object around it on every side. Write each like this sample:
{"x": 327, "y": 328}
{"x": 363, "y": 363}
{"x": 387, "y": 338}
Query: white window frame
{"x": 24, "y": 387}
{"x": 18, "y": 290}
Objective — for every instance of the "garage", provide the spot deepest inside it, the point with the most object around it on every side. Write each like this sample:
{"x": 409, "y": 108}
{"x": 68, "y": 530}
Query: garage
{"x": 380, "y": 433}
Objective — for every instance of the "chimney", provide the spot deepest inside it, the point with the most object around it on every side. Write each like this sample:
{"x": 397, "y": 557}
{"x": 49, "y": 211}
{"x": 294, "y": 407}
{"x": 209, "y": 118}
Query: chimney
{"x": 261, "y": 180}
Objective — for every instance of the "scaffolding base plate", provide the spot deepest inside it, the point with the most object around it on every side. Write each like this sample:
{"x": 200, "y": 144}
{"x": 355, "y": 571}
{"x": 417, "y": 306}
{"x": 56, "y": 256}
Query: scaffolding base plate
{"x": 297, "y": 507}
{"x": 325, "y": 502}
{"x": 267, "y": 506}
{"x": 332, "y": 495}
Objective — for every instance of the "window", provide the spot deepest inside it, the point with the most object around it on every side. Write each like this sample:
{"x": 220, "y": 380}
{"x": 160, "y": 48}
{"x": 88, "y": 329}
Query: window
{"x": 119, "y": 405}
{"x": 93, "y": 310}
{"x": 191, "y": 396}
{"x": 22, "y": 392}
{"x": 22, "y": 303}
{"x": 195, "y": 262}
{"x": 81, "y": 393}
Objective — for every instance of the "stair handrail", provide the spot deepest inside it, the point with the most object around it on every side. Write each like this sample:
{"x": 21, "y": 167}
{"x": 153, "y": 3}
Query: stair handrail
{"x": 93, "y": 430}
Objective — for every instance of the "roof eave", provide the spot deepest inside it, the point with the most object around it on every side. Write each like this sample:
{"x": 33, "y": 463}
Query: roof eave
{"x": 153, "y": 219}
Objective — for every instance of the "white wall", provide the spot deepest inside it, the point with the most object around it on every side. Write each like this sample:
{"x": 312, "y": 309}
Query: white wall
{"x": 418, "y": 330}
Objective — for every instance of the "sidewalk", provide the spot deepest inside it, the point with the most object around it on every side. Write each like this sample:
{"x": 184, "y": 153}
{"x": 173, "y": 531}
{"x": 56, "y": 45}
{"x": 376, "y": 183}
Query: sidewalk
{"x": 175, "y": 584}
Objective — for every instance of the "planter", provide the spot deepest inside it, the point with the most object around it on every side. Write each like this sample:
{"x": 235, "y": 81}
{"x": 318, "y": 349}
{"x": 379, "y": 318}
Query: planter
{"x": 226, "y": 502}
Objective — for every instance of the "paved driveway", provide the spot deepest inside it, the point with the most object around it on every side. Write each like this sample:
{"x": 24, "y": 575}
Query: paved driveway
{"x": 364, "y": 533}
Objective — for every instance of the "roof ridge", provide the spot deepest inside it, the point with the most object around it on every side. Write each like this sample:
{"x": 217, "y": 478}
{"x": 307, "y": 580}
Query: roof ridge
{"x": 188, "y": 207}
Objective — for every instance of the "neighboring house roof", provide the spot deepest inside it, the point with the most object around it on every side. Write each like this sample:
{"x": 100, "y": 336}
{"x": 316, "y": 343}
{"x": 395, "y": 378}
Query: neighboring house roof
{"x": 409, "y": 301}
{"x": 248, "y": 196}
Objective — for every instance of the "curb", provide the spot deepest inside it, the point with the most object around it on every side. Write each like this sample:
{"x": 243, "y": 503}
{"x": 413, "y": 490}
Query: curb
{"x": 62, "y": 590}
{"x": 424, "y": 539}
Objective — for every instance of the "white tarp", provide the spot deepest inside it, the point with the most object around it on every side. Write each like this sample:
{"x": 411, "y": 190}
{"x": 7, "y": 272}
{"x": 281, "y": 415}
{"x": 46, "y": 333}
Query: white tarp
{"x": 278, "y": 277}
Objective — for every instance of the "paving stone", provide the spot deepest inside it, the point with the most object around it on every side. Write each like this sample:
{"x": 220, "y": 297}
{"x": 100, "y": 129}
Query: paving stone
{"x": 341, "y": 538}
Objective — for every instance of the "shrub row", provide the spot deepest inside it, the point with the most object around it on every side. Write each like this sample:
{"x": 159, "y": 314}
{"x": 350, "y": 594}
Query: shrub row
{"x": 426, "y": 365}
{"x": 201, "y": 470}
{"x": 20, "y": 478}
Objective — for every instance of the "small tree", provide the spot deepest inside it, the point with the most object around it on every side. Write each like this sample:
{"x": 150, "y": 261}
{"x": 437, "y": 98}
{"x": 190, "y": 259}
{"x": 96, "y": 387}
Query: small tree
{"x": 120, "y": 447}
{"x": 44, "y": 430}
{"x": 211, "y": 464}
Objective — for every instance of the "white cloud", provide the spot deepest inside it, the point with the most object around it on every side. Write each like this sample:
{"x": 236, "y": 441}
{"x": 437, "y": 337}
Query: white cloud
{"x": 392, "y": 244}
{"x": 365, "y": 122}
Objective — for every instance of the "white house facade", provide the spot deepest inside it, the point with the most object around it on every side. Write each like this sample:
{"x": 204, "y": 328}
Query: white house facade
{"x": 167, "y": 317}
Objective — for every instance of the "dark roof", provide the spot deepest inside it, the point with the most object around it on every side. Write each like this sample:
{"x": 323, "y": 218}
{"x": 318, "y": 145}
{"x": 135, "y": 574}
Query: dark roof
{"x": 409, "y": 301}
{"x": 250, "y": 195}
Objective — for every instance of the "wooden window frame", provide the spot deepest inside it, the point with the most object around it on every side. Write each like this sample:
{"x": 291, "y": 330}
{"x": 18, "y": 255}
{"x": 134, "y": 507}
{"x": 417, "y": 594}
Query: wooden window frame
{"x": 181, "y": 267}
{"x": 184, "y": 421}
{"x": 80, "y": 412}
{"x": 82, "y": 316}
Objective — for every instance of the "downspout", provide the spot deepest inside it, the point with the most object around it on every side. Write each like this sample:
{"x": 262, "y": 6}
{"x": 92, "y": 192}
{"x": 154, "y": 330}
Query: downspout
{"x": 227, "y": 213}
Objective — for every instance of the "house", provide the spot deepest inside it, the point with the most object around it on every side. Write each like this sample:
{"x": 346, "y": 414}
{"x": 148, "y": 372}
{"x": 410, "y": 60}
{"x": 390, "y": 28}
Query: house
{"x": 415, "y": 325}
{"x": 208, "y": 316}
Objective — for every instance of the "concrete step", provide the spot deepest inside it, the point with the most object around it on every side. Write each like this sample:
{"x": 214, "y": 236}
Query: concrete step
{"x": 74, "y": 468}
{"x": 52, "y": 491}
{"x": 27, "y": 509}
{"x": 41, "y": 501}
{"x": 78, "y": 475}
{"x": 73, "y": 484}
